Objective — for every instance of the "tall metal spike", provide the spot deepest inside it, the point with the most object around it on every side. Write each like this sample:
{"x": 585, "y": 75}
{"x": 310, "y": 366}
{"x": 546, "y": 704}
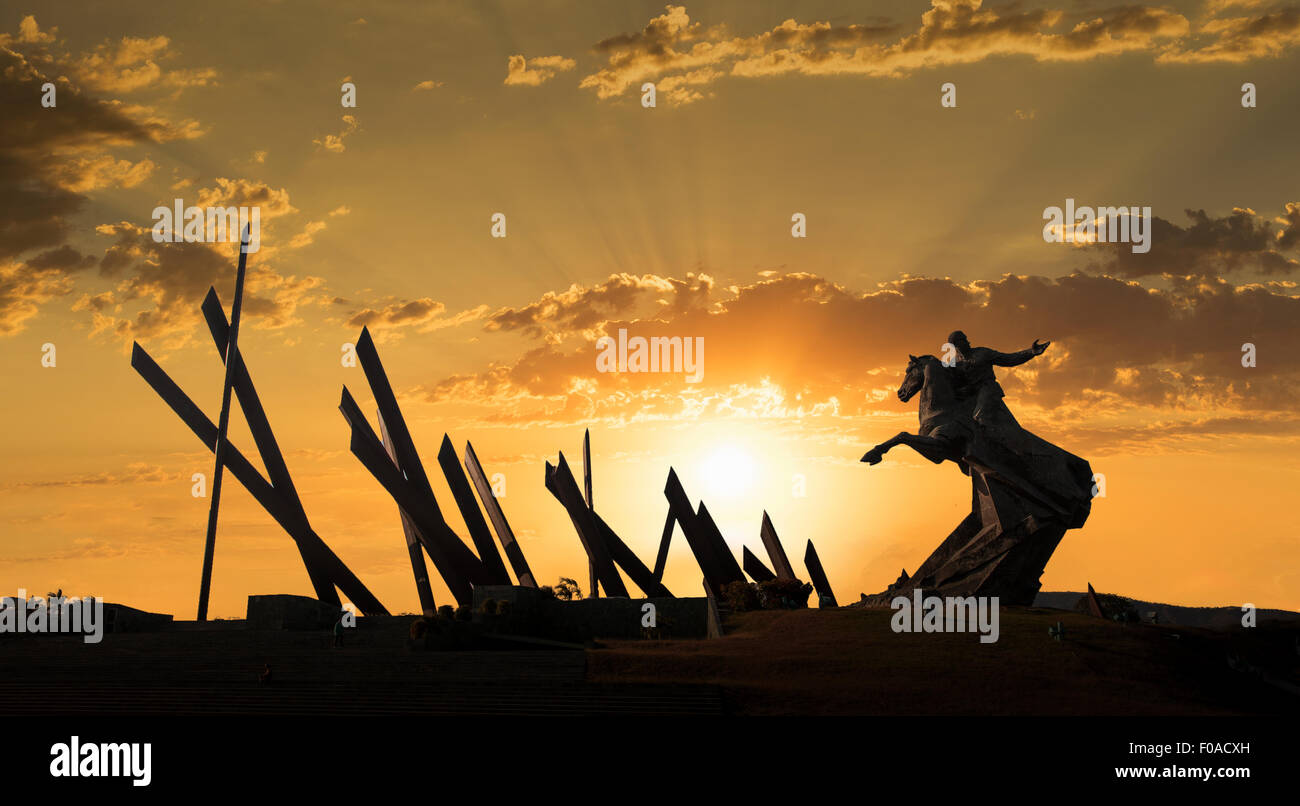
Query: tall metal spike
{"x": 413, "y": 547}
{"x": 505, "y": 534}
{"x": 591, "y": 505}
{"x": 661, "y": 559}
{"x": 223, "y": 425}
{"x": 825, "y": 596}
{"x": 469, "y": 512}
{"x": 775, "y": 551}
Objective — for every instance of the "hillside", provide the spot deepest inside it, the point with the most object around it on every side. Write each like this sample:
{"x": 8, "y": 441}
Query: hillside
{"x": 1212, "y": 618}
{"x": 848, "y": 661}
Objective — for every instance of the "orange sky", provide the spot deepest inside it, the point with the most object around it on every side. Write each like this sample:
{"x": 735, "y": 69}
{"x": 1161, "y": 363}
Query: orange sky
{"x": 671, "y": 221}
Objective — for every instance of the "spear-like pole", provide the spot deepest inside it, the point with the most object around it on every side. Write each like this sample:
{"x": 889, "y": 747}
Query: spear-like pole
{"x": 586, "y": 479}
{"x": 223, "y": 423}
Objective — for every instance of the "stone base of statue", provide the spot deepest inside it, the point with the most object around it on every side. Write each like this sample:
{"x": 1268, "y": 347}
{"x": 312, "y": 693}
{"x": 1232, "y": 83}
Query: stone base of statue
{"x": 1026, "y": 492}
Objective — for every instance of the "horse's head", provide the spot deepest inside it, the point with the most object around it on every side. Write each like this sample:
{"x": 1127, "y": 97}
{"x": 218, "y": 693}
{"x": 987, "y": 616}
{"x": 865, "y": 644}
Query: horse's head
{"x": 914, "y": 378}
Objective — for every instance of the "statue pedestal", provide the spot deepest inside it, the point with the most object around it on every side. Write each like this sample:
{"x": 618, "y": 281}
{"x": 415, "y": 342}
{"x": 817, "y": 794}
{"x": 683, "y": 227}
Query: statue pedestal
{"x": 1025, "y": 495}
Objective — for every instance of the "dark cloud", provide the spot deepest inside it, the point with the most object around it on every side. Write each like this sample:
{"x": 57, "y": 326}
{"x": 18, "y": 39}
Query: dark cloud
{"x": 48, "y": 156}
{"x": 404, "y": 312}
{"x": 799, "y": 341}
{"x": 166, "y": 282}
{"x": 64, "y": 258}
{"x": 1289, "y": 236}
{"x": 579, "y": 308}
{"x": 1210, "y": 246}
{"x": 1224, "y": 38}
{"x": 683, "y": 56}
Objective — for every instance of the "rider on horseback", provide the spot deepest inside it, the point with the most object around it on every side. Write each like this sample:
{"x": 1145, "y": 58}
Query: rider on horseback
{"x": 960, "y": 405}
{"x": 975, "y": 374}
{"x": 1025, "y": 491}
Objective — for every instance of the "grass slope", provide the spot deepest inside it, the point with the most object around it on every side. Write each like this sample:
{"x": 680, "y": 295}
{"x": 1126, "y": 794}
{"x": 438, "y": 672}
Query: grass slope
{"x": 849, "y": 661}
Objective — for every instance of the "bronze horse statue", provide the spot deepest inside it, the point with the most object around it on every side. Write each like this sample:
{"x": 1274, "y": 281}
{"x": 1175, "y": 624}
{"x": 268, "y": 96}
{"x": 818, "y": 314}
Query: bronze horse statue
{"x": 947, "y": 421}
{"x": 1026, "y": 492}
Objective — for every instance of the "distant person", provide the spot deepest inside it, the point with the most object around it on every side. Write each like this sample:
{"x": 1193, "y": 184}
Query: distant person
{"x": 338, "y": 632}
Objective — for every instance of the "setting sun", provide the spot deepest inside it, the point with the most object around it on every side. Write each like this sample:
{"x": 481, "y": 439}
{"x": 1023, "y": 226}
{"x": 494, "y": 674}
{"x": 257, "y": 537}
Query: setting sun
{"x": 728, "y": 472}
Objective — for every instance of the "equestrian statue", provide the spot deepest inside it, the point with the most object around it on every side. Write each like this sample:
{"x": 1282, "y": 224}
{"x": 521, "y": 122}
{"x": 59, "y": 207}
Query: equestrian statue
{"x": 1026, "y": 492}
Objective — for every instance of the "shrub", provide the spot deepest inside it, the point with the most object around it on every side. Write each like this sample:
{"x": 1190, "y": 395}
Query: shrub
{"x": 446, "y": 612}
{"x": 503, "y": 607}
{"x": 775, "y": 594}
{"x": 741, "y": 596}
{"x": 489, "y": 607}
{"x": 463, "y": 613}
{"x": 1112, "y": 606}
{"x": 663, "y": 628}
{"x": 567, "y": 590}
{"x": 784, "y": 593}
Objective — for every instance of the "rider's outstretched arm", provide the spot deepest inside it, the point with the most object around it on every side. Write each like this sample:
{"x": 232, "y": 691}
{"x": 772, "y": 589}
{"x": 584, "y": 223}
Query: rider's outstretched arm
{"x": 1012, "y": 359}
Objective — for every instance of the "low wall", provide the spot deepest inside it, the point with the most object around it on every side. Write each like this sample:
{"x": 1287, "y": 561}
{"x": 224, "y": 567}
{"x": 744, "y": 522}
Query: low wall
{"x": 288, "y": 612}
{"x": 119, "y": 618}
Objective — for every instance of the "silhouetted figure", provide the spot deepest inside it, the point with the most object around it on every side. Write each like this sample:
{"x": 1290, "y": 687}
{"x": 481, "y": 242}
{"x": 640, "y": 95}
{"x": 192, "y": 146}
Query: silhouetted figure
{"x": 264, "y": 677}
{"x": 975, "y": 376}
{"x": 338, "y": 632}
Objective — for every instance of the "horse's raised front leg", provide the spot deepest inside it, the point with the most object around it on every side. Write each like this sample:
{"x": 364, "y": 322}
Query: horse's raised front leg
{"x": 934, "y": 449}
{"x": 876, "y": 454}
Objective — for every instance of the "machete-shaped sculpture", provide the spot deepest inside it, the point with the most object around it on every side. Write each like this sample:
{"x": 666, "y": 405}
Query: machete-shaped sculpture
{"x": 277, "y": 496}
